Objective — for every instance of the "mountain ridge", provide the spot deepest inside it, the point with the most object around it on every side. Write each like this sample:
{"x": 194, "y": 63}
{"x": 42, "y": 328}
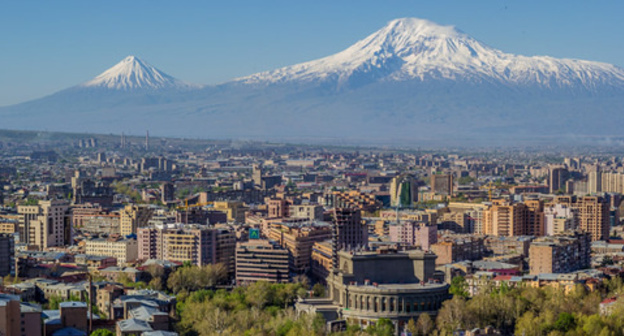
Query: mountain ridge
{"x": 133, "y": 73}
{"x": 420, "y": 49}
{"x": 412, "y": 79}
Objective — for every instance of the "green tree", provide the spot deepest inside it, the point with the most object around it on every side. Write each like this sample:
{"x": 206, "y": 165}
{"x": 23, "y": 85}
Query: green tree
{"x": 453, "y": 315}
{"x": 459, "y": 287}
{"x": 424, "y": 324}
{"x": 102, "y": 332}
{"x": 565, "y": 322}
{"x": 383, "y": 327}
{"x": 318, "y": 290}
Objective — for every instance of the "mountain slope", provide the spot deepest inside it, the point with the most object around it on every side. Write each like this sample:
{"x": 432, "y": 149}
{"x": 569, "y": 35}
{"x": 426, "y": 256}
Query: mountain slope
{"x": 133, "y": 73}
{"x": 409, "y": 48}
{"x": 411, "y": 82}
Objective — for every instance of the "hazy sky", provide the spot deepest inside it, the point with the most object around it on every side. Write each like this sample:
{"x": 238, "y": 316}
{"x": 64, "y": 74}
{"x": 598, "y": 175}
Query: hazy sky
{"x": 46, "y": 46}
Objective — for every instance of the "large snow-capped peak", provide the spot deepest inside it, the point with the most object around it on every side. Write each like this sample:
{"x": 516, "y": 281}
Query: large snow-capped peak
{"x": 132, "y": 73}
{"x": 411, "y": 48}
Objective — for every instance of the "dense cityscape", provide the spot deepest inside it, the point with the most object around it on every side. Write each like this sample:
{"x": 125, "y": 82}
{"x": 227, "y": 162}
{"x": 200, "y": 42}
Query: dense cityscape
{"x": 127, "y": 235}
{"x": 311, "y": 168}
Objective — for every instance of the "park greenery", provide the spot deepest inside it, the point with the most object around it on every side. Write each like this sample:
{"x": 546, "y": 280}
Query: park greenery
{"x": 533, "y": 311}
{"x": 206, "y": 305}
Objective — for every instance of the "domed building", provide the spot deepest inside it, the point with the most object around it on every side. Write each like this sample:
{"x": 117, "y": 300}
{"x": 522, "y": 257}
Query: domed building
{"x": 369, "y": 286}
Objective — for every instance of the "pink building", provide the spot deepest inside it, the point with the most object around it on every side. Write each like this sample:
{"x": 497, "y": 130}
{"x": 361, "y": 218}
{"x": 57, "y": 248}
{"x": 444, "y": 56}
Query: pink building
{"x": 414, "y": 233}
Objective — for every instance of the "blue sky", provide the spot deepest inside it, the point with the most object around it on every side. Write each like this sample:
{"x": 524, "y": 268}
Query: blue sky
{"x": 47, "y": 46}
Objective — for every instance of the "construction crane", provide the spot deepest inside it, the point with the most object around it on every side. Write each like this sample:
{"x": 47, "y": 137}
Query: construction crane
{"x": 186, "y": 205}
{"x": 490, "y": 187}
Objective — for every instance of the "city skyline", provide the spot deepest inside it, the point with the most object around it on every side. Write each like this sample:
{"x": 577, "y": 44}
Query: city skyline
{"x": 212, "y": 43}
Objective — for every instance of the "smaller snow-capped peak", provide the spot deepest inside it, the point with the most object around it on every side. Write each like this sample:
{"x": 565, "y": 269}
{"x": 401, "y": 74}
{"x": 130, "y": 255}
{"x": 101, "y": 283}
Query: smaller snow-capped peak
{"x": 132, "y": 73}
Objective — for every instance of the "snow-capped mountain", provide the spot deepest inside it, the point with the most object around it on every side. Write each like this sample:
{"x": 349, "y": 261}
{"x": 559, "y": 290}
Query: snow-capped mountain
{"x": 133, "y": 73}
{"x": 409, "y": 48}
{"x": 411, "y": 82}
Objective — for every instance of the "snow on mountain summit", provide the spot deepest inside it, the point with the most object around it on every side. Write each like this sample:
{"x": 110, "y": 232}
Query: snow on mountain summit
{"x": 133, "y": 73}
{"x": 411, "y": 48}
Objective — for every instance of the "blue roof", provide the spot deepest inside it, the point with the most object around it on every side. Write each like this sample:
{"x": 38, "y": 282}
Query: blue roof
{"x": 73, "y": 304}
{"x": 69, "y": 331}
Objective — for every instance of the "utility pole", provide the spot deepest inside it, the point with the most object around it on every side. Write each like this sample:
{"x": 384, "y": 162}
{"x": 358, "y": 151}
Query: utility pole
{"x": 90, "y": 302}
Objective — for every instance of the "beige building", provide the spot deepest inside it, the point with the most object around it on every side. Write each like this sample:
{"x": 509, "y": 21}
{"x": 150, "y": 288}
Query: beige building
{"x": 594, "y": 217}
{"x": 518, "y": 219}
{"x": 562, "y": 253}
{"x": 235, "y": 210}
{"x": 262, "y": 260}
{"x": 9, "y": 223}
{"x": 46, "y": 224}
{"x": 321, "y": 262}
{"x": 591, "y": 214}
{"x": 134, "y": 216}
{"x": 198, "y": 244}
{"x": 453, "y": 248}
{"x": 313, "y": 212}
{"x": 124, "y": 250}
{"x": 298, "y": 238}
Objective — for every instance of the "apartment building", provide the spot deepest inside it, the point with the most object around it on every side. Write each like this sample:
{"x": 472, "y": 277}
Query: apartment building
{"x": 563, "y": 253}
{"x": 47, "y": 224}
{"x": 124, "y": 250}
{"x": 262, "y": 260}
{"x": 198, "y": 244}
{"x": 133, "y": 217}
{"x": 414, "y": 233}
{"x": 453, "y": 248}
{"x": 298, "y": 238}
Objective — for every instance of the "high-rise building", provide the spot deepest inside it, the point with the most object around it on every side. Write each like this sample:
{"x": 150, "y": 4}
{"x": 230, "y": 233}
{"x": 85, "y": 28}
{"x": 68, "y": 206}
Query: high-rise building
{"x": 298, "y": 238}
{"x": 403, "y": 191}
{"x": 348, "y": 231}
{"x": 198, "y": 244}
{"x": 562, "y": 253}
{"x": 256, "y": 175}
{"x": 557, "y": 177}
{"x": 559, "y": 218}
{"x": 594, "y": 180}
{"x": 134, "y": 216}
{"x": 534, "y": 218}
{"x": 473, "y": 219}
{"x": 7, "y": 254}
{"x": 442, "y": 184}
{"x": 508, "y": 219}
{"x": 262, "y": 260}
{"x": 46, "y": 224}
{"x": 612, "y": 182}
{"x": 593, "y": 215}
{"x": 167, "y": 192}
